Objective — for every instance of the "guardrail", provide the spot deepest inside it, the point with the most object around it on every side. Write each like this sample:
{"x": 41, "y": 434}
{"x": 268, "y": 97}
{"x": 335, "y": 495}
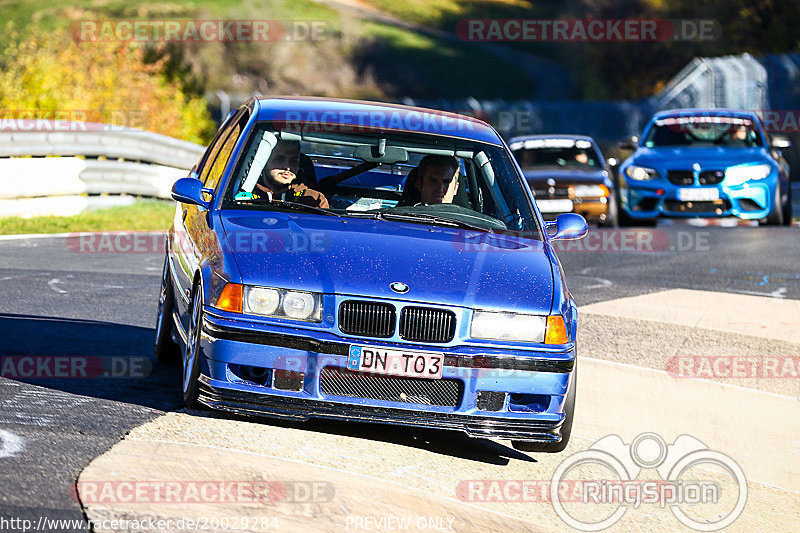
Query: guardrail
{"x": 89, "y": 158}
{"x": 95, "y": 140}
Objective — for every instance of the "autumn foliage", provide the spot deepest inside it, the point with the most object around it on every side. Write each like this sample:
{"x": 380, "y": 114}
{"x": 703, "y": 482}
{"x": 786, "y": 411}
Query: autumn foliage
{"x": 53, "y": 76}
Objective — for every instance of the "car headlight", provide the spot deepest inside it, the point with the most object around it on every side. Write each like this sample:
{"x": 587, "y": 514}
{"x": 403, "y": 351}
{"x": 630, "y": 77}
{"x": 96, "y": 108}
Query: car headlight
{"x": 640, "y": 173}
{"x": 508, "y": 326}
{"x": 590, "y": 191}
{"x": 295, "y": 305}
{"x": 742, "y": 173}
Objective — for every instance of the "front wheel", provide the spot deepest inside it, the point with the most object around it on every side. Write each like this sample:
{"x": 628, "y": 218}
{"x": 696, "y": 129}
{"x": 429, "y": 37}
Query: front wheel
{"x": 787, "y": 207}
{"x": 191, "y": 355}
{"x": 775, "y": 217}
{"x": 566, "y": 427}
{"x": 166, "y": 350}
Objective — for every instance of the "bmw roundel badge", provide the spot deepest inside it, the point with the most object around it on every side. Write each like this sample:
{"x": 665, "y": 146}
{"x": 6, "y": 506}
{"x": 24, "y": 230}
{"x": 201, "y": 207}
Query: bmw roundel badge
{"x": 399, "y": 287}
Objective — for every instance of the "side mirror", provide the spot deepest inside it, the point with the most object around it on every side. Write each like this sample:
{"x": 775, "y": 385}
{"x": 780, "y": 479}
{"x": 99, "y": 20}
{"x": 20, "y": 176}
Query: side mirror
{"x": 189, "y": 191}
{"x": 779, "y": 142}
{"x": 568, "y": 226}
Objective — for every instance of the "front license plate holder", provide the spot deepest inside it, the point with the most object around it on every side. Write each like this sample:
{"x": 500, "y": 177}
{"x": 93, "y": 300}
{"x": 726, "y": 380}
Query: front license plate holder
{"x": 698, "y": 195}
{"x": 555, "y": 206}
{"x": 393, "y": 362}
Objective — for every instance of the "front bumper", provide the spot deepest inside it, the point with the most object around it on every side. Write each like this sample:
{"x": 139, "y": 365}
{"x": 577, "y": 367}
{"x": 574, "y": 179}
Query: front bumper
{"x": 226, "y": 346}
{"x": 747, "y": 201}
{"x": 216, "y": 396}
{"x": 592, "y": 209}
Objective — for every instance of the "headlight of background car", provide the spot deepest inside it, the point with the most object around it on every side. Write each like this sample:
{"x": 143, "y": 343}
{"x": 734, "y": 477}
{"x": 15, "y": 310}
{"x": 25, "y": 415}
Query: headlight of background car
{"x": 508, "y": 326}
{"x": 640, "y": 173}
{"x": 589, "y": 191}
{"x": 281, "y": 303}
{"x": 742, "y": 173}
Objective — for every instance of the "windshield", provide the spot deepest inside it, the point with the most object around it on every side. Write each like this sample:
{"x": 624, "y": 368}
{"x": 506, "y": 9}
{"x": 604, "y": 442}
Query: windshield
{"x": 730, "y": 132}
{"x": 548, "y": 153}
{"x": 416, "y": 178}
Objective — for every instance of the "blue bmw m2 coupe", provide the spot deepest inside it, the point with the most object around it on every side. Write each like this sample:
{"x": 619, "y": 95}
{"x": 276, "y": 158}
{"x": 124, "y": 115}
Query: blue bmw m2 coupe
{"x": 706, "y": 163}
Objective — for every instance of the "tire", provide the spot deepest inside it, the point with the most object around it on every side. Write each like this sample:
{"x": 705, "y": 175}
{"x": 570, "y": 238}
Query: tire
{"x": 787, "y": 209}
{"x": 612, "y": 213}
{"x": 191, "y": 355}
{"x": 775, "y": 217}
{"x": 623, "y": 218}
{"x": 566, "y": 428}
{"x": 167, "y": 351}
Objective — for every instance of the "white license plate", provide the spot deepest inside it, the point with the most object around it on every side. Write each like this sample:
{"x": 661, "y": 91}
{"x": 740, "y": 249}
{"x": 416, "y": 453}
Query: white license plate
{"x": 698, "y": 195}
{"x": 395, "y": 362}
{"x": 554, "y": 206}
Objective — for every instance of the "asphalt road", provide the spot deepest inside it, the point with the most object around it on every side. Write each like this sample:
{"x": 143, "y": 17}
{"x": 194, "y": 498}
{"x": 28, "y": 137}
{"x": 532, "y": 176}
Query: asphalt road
{"x": 56, "y": 302}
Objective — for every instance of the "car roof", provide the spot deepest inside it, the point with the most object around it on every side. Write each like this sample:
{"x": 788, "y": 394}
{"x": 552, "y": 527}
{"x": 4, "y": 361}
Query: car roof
{"x": 377, "y": 114}
{"x": 708, "y": 112}
{"x": 554, "y": 136}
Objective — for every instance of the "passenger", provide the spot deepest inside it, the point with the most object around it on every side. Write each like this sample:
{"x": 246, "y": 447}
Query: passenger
{"x": 438, "y": 179}
{"x": 277, "y": 180}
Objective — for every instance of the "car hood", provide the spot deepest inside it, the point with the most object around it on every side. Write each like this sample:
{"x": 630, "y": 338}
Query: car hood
{"x": 441, "y": 265}
{"x": 708, "y": 158}
{"x": 560, "y": 175}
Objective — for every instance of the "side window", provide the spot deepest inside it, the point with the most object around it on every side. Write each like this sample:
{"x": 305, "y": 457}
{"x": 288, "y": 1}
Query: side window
{"x": 217, "y": 168}
{"x": 217, "y": 143}
{"x": 211, "y": 150}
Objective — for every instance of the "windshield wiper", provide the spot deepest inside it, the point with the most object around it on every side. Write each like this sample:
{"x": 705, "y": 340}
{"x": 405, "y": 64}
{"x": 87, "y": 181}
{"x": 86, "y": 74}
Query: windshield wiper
{"x": 435, "y": 219}
{"x": 289, "y": 205}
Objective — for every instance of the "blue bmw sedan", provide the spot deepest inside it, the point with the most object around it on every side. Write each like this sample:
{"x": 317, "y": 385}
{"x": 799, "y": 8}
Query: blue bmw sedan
{"x": 369, "y": 262}
{"x": 706, "y": 163}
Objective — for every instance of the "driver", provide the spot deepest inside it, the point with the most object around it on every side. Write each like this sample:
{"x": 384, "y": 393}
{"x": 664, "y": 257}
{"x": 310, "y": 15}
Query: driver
{"x": 740, "y": 135}
{"x": 437, "y": 181}
{"x": 277, "y": 180}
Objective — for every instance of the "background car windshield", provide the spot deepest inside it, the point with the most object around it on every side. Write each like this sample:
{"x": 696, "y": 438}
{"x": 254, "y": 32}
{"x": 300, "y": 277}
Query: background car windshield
{"x": 356, "y": 180}
{"x": 548, "y": 153}
{"x": 703, "y": 131}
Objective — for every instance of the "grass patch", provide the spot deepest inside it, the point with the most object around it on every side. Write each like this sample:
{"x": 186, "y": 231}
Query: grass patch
{"x": 445, "y": 14}
{"x": 431, "y": 66}
{"x": 144, "y": 215}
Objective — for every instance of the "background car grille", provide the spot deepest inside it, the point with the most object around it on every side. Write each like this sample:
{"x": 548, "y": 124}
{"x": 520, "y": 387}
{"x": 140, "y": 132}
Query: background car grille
{"x": 370, "y": 319}
{"x": 711, "y": 177}
{"x": 680, "y": 177}
{"x": 558, "y": 192}
{"x": 697, "y": 207}
{"x": 342, "y": 382}
{"x": 425, "y": 324}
